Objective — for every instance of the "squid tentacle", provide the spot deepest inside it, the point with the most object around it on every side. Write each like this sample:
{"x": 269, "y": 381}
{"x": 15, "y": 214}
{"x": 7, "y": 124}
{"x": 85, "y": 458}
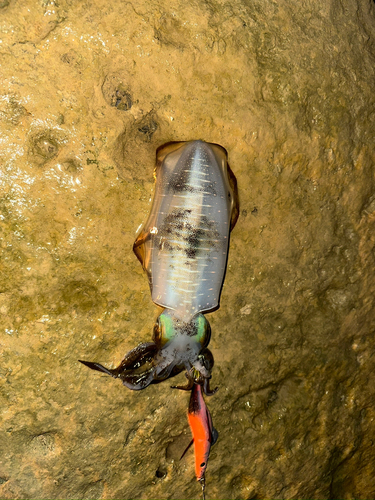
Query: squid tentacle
{"x": 136, "y": 370}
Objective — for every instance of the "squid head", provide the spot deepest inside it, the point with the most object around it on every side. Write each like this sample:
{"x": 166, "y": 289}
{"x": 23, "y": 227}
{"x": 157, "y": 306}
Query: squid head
{"x": 176, "y": 345}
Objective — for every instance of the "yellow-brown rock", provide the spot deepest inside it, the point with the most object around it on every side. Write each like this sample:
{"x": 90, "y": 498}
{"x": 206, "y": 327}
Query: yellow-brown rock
{"x": 89, "y": 90}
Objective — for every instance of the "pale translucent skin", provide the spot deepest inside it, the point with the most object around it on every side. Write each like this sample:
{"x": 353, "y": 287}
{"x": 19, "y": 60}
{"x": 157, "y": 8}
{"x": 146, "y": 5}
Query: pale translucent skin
{"x": 184, "y": 248}
{"x": 185, "y": 240}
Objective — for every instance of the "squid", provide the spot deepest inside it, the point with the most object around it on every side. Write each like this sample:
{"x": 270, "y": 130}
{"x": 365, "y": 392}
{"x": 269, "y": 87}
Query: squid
{"x": 183, "y": 247}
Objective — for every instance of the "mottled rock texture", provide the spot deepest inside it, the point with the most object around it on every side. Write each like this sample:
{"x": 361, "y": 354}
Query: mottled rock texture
{"x": 89, "y": 90}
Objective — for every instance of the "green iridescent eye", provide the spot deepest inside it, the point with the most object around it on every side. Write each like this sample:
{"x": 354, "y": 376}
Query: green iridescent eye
{"x": 164, "y": 330}
{"x": 203, "y": 330}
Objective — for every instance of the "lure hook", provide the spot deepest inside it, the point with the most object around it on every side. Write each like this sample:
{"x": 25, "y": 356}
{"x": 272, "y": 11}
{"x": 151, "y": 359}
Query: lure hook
{"x": 203, "y": 484}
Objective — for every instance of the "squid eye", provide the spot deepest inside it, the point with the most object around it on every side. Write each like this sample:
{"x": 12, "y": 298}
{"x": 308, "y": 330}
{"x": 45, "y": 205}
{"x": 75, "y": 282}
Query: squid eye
{"x": 203, "y": 330}
{"x": 165, "y": 329}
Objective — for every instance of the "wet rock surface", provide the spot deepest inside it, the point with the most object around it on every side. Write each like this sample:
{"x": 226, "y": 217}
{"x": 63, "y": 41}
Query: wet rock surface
{"x": 90, "y": 90}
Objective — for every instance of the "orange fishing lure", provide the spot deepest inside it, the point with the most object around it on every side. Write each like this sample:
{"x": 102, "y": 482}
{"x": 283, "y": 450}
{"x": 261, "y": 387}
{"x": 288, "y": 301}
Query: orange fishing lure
{"x": 204, "y": 433}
